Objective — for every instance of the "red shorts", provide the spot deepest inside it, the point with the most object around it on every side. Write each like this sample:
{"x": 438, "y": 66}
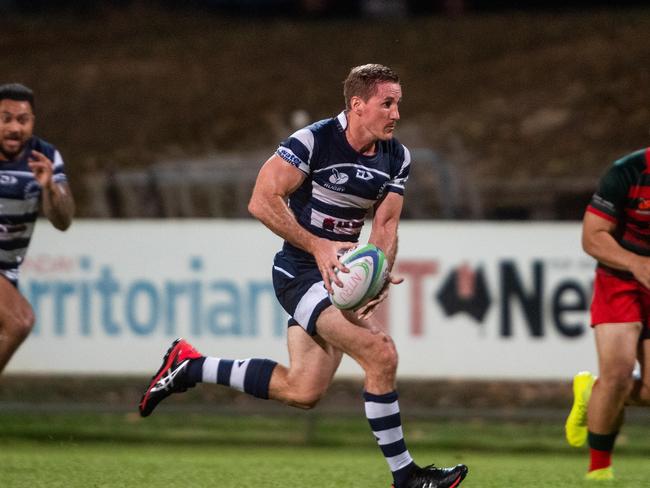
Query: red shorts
{"x": 617, "y": 300}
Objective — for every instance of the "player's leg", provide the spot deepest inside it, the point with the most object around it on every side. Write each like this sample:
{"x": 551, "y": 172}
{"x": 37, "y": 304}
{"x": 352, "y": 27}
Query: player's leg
{"x": 374, "y": 350}
{"x": 302, "y": 384}
{"x": 640, "y": 395}
{"x": 312, "y": 364}
{"x": 616, "y": 345}
{"x": 16, "y": 320}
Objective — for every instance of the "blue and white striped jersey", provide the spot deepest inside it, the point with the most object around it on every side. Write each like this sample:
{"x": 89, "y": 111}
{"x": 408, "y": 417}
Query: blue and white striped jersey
{"x": 20, "y": 196}
{"x": 342, "y": 185}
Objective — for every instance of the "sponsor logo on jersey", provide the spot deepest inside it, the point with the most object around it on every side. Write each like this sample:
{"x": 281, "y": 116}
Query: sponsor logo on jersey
{"x": 338, "y": 178}
{"x": 364, "y": 175}
{"x": 289, "y": 157}
{"x": 8, "y": 180}
{"x": 341, "y": 226}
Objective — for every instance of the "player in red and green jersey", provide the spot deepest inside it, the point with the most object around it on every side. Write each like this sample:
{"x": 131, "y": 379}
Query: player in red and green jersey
{"x": 616, "y": 232}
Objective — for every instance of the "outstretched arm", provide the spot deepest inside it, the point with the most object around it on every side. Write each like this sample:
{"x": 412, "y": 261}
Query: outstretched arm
{"x": 58, "y": 203}
{"x": 276, "y": 181}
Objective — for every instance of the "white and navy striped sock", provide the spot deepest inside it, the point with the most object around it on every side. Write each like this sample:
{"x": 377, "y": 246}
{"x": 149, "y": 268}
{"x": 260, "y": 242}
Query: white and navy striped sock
{"x": 251, "y": 376}
{"x": 386, "y": 424}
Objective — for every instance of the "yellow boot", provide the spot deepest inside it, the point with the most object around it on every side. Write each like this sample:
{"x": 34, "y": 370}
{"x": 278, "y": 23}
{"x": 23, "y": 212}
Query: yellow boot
{"x": 603, "y": 474}
{"x": 575, "y": 427}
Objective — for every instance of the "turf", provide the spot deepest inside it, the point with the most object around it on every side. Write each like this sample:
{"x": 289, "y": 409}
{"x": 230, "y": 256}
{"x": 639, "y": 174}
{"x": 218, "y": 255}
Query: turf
{"x": 192, "y": 450}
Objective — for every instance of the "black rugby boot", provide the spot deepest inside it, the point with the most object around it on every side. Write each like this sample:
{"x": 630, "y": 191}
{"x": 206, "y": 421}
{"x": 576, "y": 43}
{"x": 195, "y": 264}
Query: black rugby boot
{"x": 432, "y": 477}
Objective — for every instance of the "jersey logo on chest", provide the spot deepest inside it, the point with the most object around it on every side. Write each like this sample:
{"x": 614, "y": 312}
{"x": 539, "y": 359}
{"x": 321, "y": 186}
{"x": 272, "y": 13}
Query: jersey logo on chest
{"x": 7, "y": 180}
{"x": 364, "y": 175}
{"x": 338, "y": 178}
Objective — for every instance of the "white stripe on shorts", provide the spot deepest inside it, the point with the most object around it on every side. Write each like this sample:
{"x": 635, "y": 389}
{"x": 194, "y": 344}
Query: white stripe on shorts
{"x": 308, "y": 302}
{"x": 283, "y": 271}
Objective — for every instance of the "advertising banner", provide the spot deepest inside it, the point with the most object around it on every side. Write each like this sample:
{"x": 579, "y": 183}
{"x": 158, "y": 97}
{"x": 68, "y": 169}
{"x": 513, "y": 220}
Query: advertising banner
{"x": 479, "y": 300}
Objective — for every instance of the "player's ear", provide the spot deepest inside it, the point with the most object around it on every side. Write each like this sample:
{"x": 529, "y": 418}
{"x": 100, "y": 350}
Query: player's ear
{"x": 356, "y": 104}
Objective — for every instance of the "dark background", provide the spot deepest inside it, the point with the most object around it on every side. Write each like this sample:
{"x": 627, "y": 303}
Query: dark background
{"x": 326, "y": 7}
{"x": 515, "y": 110}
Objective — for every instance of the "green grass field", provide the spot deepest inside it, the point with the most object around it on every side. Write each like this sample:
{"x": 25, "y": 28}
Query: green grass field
{"x": 305, "y": 450}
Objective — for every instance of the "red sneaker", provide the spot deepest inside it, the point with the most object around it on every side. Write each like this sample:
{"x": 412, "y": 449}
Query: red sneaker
{"x": 171, "y": 377}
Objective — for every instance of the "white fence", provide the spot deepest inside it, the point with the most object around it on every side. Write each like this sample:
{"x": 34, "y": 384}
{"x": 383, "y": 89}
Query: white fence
{"x": 479, "y": 300}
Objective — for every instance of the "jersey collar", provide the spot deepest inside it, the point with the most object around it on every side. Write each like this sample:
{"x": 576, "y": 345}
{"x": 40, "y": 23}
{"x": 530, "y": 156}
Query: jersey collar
{"x": 342, "y": 121}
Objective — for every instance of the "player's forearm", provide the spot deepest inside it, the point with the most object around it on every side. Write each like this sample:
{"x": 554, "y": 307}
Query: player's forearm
{"x": 385, "y": 238}
{"x": 58, "y": 205}
{"x": 275, "y": 214}
{"x": 603, "y": 247}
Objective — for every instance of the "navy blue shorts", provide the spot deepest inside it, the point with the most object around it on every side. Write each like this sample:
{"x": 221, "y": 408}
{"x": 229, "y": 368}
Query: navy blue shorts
{"x": 300, "y": 290}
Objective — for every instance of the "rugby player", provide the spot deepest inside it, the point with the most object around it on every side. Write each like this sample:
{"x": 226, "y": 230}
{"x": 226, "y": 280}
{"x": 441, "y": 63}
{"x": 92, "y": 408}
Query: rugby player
{"x": 616, "y": 232}
{"x": 315, "y": 192}
{"x": 31, "y": 176}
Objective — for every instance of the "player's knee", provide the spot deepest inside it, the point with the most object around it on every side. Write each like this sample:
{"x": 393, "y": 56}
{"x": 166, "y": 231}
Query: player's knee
{"x": 21, "y": 324}
{"x": 383, "y": 357}
{"x": 617, "y": 382}
{"x": 26, "y": 323}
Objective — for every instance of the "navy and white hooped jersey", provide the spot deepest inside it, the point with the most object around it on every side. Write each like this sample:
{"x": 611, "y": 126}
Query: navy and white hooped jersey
{"x": 342, "y": 185}
{"x": 20, "y": 196}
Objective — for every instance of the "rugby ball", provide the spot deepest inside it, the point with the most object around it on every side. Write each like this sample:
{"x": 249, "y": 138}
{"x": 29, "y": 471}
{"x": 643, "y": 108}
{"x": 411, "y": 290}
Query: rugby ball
{"x": 368, "y": 273}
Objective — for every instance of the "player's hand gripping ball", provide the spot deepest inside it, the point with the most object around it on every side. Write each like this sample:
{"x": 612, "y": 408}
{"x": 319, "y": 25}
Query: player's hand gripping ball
{"x": 368, "y": 273}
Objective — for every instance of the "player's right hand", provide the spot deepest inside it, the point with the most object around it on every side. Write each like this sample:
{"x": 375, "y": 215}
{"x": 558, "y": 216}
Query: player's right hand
{"x": 640, "y": 268}
{"x": 327, "y": 255}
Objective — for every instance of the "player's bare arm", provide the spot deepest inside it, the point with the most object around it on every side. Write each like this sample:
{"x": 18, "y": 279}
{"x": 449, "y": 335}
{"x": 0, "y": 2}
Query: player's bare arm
{"x": 58, "y": 203}
{"x": 385, "y": 223}
{"x": 275, "y": 182}
{"x": 598, "y": 241}
{"x": 384, "y": 236}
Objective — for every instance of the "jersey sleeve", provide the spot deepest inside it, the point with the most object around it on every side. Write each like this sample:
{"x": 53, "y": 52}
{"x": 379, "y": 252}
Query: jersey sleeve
{"x": 58, "y": 170}
{"x": 609, "y": 200}
{"x": 298, "y": 149}
{"x": 397, "y": 183}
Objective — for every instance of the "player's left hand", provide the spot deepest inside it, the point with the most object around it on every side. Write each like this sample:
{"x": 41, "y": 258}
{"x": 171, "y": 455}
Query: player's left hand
{"x": 42, "y": 168}
{"x": 369, "y": 308}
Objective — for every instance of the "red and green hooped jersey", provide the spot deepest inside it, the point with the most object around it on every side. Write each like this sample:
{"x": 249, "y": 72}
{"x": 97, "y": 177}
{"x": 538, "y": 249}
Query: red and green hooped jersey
{"x": 623, "y": 197}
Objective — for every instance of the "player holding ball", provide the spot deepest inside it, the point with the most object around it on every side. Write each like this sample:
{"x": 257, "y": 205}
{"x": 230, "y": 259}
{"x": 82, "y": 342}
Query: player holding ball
{"x": 315, "y": 193}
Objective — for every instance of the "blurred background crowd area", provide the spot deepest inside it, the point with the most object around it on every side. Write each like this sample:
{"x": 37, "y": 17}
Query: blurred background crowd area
{"x": 168, "y": 109}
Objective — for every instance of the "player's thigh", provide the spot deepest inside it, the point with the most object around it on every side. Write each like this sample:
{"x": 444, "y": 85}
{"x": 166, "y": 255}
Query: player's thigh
{"x": 617, "y": 345}
{"x": 15, "y": 310}
{"x": 313, "y": 361}
{"x": 363, "y": 340}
